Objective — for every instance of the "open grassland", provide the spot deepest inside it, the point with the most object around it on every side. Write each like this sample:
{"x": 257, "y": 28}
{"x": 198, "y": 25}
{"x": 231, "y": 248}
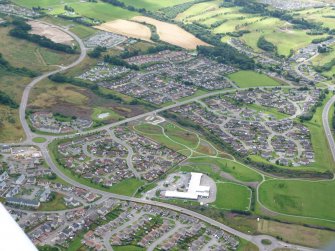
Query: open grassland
{"x": 10, "y": 126}
{"x": 279, "y": 33}
{"x": 47, "y": 94}
{"x": 319, "y": 15}
{"x": 235, "y": 169}
{"x": 297, "y": 234}
{"x": 21, "y": 53}
{"x": 99, "y": 10}
{"x": 42, "y": 3}
{"x": 154, "y": 4}
{"x": 172, "y": 33}
{"x": 13, "y": 85}
{"x": 127, "y": 28}
{"x": 232, "y": 196}
{"x": 204, "y": 155}
{"x": 324, "y": 58}
{"x": 200, "y": 11}
{"x": 245, "y": 79}
{"x": 323, "y": 157}
{"x": 303, "y": 198}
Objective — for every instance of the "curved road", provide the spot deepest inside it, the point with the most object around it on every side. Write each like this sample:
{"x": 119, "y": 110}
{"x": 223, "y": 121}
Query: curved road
{"x": 325, "y": 121}
{"x": 44, "y": 148}
{"x": 26, "y": 92}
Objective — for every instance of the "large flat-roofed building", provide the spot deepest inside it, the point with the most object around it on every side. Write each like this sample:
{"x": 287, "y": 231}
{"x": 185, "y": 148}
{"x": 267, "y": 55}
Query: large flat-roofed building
{"x": 194, "y": 191}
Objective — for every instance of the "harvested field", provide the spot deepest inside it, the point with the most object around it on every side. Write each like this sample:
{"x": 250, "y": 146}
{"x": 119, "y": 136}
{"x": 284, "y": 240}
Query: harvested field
{"x": 50, "y": 32}
{"x": 127, "y": 28}
{"x": 172, "y": 33}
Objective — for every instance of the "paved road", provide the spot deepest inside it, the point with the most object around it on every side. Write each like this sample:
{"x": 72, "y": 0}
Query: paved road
{"x": 130, "y": 153}
{"x": 26, "y": 92}
{"x": 325, "y": 121}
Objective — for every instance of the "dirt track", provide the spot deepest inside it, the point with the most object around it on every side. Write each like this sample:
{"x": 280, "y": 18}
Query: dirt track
{"x": 50, "y": 32}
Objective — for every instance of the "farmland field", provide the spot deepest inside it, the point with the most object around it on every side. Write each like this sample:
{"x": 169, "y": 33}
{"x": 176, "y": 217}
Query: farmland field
{"x": 99, "y": 10}
{"x": 295, "y": 197}
{"x": 172, "y": 33}
{"x": 154, "y": 4}
{"x": 127, "y": 28}
{"x": 246, "y": 79}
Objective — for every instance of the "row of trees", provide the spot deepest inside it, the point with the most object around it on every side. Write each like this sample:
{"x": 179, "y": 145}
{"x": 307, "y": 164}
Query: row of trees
{"x": 5, "y": 65}
{"x": 6, "y": 100}
{"x": 22, "y": 29}
{"x": 265, "y": 45}
{"x": 227, "y": 54}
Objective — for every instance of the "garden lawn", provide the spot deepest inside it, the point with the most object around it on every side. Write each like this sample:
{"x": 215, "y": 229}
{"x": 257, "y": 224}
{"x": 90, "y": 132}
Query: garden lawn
{"x": 245, "y": 79}
{"x": 232, "y": 196}
{"x": 303, "y": 198}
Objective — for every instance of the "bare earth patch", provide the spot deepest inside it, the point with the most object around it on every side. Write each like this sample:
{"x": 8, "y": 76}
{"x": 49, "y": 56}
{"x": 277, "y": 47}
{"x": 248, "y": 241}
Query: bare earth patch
{"x": 172, "y": 33}
{"x": 127, "y": 28}
{"x": 50, "y": 32}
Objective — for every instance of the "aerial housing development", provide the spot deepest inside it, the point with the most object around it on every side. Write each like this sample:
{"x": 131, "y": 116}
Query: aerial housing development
{"x": 168, "y": 125}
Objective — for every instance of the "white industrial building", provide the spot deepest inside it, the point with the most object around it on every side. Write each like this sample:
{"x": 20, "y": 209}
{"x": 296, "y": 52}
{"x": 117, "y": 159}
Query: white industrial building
{"x": 195, "y": 190}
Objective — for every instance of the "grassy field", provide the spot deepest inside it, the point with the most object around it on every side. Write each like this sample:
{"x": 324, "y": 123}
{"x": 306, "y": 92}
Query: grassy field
{"x": 100, "y": 10}
{"x": 245, "y": 79}
{"x": 21, "y": 53}
{"x": 323, "y": 156}
{"x": 127, "y": 248}
{"x": 10, "y": 126}
{"x": 301, "y": 198}
{"x": 55, "y": 204}
{"x": 319, "y": 15}
{"x": 297, "y": 234}
{"x": 279, "y": 33}
{"x": 232, "y": 196}
{"x": 153, "y": 4}
{"x": 268, "y": 110}
{"x": 237, "y": 170}
{"x": 324, "y": 58}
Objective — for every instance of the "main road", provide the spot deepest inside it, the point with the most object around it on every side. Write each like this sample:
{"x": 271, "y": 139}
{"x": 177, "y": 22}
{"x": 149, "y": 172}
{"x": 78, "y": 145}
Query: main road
{"x": 257, "y": 240}
{"x": 326, "y": 125}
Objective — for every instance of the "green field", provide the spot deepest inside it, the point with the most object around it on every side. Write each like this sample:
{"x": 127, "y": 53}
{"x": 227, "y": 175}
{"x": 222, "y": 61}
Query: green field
{"x": 245, "y": 79}
{"x": 55, "y": 204}
{"x": 100, "y": 11}
{"x": 153, "y": 4}
{"x": 303, "y": 198}
{"x": 237, "y": 170}
{"x": 127, "y": 248}
{"x": 323, "y": 156}
{"x": 232, "y": 196}
{"x": 319, "y": 15}
{"x": 21, "y": 53}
